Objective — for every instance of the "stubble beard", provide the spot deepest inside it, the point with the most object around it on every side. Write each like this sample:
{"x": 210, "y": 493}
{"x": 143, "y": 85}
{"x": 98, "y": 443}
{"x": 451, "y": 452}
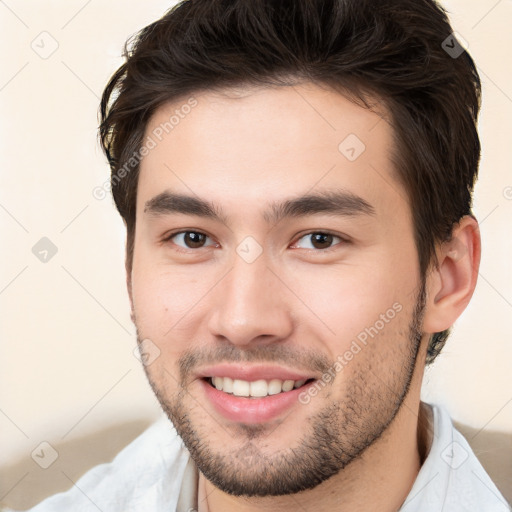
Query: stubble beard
{"x": 334, "y": 436}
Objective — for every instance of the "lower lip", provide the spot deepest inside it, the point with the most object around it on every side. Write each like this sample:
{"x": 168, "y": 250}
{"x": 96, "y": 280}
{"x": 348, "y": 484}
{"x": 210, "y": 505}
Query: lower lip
{"x": 252, "y": 410}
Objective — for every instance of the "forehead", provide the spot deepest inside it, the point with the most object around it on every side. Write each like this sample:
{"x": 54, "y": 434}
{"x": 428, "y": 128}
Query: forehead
{"x": 259, "y": 145}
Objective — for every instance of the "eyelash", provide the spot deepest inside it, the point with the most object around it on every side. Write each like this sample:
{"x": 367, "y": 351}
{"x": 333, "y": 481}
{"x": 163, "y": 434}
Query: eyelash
{"x": 180, "y": 249}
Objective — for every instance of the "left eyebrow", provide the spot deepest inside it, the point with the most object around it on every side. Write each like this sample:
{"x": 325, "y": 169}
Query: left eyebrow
{"x": 342, "y": 203}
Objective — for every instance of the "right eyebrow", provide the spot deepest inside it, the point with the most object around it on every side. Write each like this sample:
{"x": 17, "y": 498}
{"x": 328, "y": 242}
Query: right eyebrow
{"x": 169, "y": 202}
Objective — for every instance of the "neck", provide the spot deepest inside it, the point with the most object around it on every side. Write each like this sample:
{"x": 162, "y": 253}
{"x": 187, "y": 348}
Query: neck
{"x": 380, "y": 479}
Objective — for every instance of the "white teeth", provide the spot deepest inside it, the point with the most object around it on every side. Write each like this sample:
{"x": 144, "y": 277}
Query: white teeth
{"x": 241, "y": 388}
{"x": 218, "y": 382}
{"x": 257, "y": 389}
{"x": 275, "y": 386}
{"x": 227, "y": 386}
{"x": 288, "y": 385}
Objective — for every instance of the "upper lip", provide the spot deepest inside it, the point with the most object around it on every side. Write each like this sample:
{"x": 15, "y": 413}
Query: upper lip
{"x": 253, "y": 372}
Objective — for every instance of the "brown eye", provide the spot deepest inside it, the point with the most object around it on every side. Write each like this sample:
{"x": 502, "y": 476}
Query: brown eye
{"x": 318, "y": 240}
{"x": 190, "y": 239}
{"x": 321, "y": 240}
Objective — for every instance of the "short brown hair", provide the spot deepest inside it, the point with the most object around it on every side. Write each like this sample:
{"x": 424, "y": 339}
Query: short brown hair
{"x": 401, "y": 52}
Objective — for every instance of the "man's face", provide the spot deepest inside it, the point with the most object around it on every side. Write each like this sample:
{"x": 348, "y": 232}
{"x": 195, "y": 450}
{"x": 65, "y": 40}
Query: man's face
{"x": 265, "y": 287}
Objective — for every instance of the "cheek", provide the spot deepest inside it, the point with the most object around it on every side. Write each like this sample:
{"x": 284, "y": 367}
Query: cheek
{"x": 162, "y": 307}
{"x": 350, "y": 303}
{"x": 166, "y": 302}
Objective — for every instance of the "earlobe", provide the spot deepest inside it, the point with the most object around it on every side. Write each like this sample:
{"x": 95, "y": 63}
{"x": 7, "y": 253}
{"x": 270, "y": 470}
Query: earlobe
{"x": 451, "y": 285}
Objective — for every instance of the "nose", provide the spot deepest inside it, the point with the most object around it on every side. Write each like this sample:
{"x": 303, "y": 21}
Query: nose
{"x": 251, "y": 306}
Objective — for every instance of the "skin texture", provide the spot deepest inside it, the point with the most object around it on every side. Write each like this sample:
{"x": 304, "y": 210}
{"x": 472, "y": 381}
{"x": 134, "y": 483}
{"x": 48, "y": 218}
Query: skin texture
{"x": 298, "y": 305}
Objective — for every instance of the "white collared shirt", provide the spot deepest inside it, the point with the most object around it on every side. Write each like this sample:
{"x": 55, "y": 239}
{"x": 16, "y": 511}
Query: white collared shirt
{"x": 155, "y": 473}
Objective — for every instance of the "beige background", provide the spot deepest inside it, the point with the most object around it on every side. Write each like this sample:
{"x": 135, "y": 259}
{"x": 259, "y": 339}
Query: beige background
{"x": 68, "y": 375}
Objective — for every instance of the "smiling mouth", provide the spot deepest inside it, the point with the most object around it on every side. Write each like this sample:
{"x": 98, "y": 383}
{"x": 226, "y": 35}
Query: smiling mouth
{"x": 255, "y": 389}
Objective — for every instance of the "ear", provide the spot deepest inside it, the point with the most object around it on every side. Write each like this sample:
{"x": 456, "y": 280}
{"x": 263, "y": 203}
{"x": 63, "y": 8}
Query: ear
{"x": 450, "y": 286}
